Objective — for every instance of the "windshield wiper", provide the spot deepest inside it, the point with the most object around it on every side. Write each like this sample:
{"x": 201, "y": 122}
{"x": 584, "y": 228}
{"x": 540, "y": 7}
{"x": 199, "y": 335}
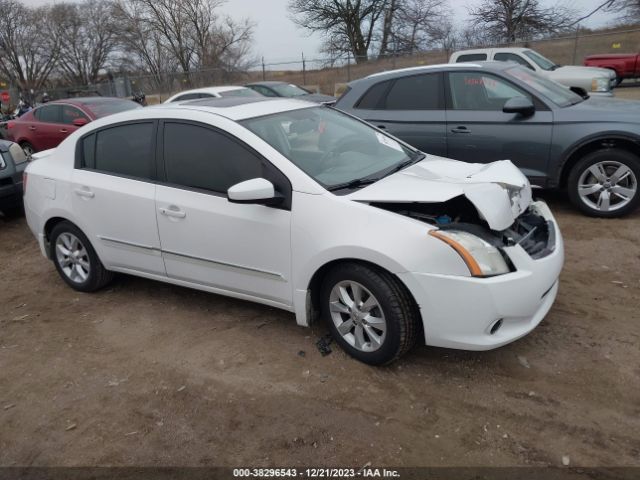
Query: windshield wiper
{"x": 412, "y": 161}
{"x": 358, "y": 182}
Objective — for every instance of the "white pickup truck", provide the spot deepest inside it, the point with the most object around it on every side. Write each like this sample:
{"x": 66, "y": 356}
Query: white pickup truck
{"x": 595, "y": 81}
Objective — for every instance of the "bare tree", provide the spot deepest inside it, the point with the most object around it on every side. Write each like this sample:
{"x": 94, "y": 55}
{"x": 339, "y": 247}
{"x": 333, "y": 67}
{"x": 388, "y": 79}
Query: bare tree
{"x": 348, "y": 25}
{"x": 629, "y": 9}
{"x": 420, "y": 24}
{"x": 28, "y": 48}
{"x": 88, "y": 35}
{"x": 511, "y": 20}
{"x": 188, "y": 32}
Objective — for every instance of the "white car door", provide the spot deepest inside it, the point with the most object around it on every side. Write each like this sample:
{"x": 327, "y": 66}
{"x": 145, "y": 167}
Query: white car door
{"x": 113, "y": 195}
{"x": 244, "y": 249}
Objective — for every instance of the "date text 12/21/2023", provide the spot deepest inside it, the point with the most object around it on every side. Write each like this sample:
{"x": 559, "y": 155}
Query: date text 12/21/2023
{"x": 365, "y": 472}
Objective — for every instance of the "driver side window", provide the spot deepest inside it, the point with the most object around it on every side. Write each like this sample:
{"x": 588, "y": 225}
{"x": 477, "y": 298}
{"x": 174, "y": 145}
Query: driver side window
{"x": 480, "y": 91}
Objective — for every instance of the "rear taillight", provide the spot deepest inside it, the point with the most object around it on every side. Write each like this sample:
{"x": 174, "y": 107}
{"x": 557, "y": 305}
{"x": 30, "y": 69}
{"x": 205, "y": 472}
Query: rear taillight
{"x": 10, "y": 125}
{"x": 24, "y": 183}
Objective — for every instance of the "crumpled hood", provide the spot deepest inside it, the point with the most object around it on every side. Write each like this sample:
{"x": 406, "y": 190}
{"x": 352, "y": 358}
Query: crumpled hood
{"x": 498, "y": 190}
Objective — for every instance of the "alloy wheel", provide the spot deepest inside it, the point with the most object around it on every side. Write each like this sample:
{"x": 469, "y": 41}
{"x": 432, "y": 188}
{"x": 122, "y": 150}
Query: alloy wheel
{"x": 607, "y": 186}
{"x": 72, "y": 257}
{"x": 357, "y": 316}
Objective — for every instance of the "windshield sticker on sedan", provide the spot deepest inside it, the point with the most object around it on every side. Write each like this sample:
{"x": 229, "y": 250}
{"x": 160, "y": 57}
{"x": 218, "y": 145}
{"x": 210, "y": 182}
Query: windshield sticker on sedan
{"x": 388, "y": 142}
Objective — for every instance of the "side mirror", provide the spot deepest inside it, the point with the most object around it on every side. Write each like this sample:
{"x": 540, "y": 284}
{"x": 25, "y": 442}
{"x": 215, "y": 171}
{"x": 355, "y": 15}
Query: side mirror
{"x": 519, "y": 105}
{"x": 80, "y": 122}
{"x": 256, "y": 190}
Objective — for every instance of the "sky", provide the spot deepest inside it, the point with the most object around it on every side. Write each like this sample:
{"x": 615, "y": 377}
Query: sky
{"x": 278, "y": 39}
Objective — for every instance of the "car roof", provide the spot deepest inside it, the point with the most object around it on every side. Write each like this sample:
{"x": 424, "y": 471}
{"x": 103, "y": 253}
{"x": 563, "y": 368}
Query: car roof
{"x": 87, "y": 100}
{"x": 212, "y": 90}
{"x": 239, "y": 108}
{"x": 401, "y": 72}
{"x": 490, "y": 49}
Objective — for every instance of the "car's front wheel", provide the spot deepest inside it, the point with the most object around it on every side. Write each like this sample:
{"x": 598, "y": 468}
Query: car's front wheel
{"x": 76, "y": 260}
{"x": 605, "y": 183}
{"x": 28, "y": 149}
{"x": 370, "y": 313}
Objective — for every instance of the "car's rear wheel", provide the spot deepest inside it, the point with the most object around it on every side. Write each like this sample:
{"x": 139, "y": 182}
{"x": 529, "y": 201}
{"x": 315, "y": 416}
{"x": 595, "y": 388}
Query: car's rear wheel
{"x": 370, "y": 313}
{"x": 28, "y": 149}
{"x": 605, "y": 183}
{"x": 76, "y": 260}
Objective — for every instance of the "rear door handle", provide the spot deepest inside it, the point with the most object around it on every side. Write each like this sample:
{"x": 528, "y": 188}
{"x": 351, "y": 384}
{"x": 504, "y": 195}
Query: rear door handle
{"x": 32, "y": 127}
{"x": 460, "y": 129}
{"x": 84, "y": 192}
{"x": 382, "y": 127}
{"x": 64, "y": 130}
{"x": 172, "y": 211}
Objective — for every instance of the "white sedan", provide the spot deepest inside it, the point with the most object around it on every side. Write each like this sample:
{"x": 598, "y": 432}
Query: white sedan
{"x": 304, "y": 208}
{"x": 213, "y": 92}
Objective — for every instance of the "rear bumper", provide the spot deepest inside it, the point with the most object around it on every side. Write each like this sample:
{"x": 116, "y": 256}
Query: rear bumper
{"x": 11, "y": 186}
{"x": 461, "y": 312}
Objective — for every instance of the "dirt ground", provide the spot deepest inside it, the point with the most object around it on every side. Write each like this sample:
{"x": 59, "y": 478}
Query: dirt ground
{"x": 145, "y": 373}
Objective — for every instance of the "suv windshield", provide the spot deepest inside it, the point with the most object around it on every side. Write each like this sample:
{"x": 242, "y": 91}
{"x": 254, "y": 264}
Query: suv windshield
{"x": 337, "y": 151}
{"x": 542, "y": 62}
{"x": 558, "y": 94}
{"x": 288, "y": 90}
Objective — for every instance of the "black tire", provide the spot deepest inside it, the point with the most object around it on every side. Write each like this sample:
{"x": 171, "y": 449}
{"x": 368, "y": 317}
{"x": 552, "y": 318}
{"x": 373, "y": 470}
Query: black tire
{"x": 605, "y": 155}
{"x": 27, "y": 147}
{"x": 98, "y": 276}
{"x": 398, "y": 307}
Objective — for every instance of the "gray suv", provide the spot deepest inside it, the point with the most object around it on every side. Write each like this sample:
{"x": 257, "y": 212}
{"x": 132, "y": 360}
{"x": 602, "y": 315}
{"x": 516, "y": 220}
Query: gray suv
{"x": 495, "y": 110}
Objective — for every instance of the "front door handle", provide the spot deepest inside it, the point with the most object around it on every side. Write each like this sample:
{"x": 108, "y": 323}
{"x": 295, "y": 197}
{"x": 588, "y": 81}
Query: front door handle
{"x": 32, "y": 128}
{"x": 172, "y": 211}
{"x": 382, "y": 127}
{"x": 460, "y": 129}
{"x": 64, "y": 130}
{"x": 84, "y": 192}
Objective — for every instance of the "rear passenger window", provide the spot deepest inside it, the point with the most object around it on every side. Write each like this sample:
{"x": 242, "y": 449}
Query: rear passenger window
{"x": 187, "y": 96}
{"x": 373, "y": 99}
{"x": 418, "y": 92}
{"x": 202, "y": 158}
{"x": 126, "y": 150}
{"x": 472, "y": 57}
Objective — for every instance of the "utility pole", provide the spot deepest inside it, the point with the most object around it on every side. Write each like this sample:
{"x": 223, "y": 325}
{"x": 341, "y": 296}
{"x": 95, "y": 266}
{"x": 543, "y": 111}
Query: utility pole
{"x": 304, "y": 70}
{"x": 264, "y": 77}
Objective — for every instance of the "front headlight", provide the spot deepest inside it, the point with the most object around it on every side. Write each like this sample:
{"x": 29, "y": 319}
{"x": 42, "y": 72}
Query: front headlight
{"x": 482, "y": 258}
{"x": 600, "y": 85}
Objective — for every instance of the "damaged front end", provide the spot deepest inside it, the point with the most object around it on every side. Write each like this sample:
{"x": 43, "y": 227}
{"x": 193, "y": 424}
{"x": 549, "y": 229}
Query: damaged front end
{"x": 534, "y": 233}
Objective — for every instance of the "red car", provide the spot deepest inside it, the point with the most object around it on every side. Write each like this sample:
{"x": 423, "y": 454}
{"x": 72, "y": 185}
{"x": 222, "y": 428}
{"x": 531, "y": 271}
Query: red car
{"x": 46, "y": 126}
{"x": 626, "y": 65}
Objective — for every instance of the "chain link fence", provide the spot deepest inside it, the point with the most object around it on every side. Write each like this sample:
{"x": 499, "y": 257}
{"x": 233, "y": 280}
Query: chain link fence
{"x": 330, "y": 74}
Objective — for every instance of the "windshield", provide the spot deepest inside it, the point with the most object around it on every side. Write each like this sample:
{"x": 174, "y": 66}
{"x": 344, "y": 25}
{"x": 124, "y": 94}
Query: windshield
{"x": 240, "y": 92}
{"x": 542, "y": 62}
{"x": 109, "y": 107}
{"x": 339, "y": 152}
{"x": 289, "y": 90}
{"x": 558, "y": 94}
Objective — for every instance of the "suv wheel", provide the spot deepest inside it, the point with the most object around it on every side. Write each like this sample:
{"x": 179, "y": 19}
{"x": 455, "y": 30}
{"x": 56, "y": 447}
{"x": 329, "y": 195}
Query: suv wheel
{"x": 28, "y": 149}
{"x": 76, "y": 260}
{"x": 605, "y": 183}
{"x": 369, "y": 312}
